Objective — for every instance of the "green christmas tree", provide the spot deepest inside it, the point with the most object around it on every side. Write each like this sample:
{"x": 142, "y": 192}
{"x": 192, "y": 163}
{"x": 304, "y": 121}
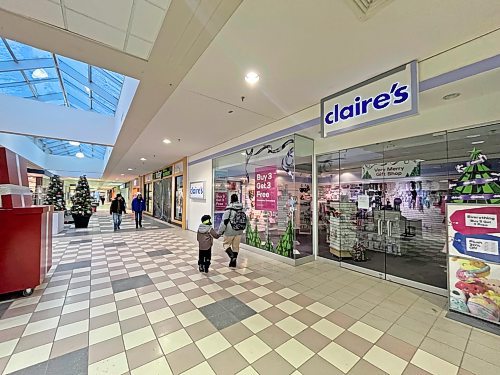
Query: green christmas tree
{"x": 55, "y": 194}
{"x": 285, "y": 244}
{"x": 477, "y": 184}
{"x": 82, "y": 202}
{"x": 252, "y": 236}
{"x": 268, "y": 245}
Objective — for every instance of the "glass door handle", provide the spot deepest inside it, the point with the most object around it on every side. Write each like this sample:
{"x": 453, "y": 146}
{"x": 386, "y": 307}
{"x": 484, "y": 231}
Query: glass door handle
{"x": 389, "y": 228}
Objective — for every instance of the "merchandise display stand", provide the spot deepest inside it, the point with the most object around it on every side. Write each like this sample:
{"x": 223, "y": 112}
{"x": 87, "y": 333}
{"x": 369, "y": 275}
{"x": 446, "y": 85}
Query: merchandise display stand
{"x": 343, "y": 230}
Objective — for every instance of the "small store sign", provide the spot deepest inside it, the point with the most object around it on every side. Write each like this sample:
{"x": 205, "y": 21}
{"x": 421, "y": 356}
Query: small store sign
{"x": 397, "y": 169}
{"x": 386, "y": 97}
{"x": 197, "y": 190}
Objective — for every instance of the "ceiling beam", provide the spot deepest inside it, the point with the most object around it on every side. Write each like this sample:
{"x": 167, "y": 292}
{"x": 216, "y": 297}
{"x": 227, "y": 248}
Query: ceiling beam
{"x": 31, "y": 64}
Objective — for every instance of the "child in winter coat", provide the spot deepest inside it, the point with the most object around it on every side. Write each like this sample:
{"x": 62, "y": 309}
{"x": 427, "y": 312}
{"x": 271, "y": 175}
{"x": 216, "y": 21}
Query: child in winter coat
{"x": 206, "y": 235}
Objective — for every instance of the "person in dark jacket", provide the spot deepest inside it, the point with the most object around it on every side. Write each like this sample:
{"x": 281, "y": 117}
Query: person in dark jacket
{"x": 205, "y": 236}
{"x": 232, "y": 236}
{"x": 138, "y": 206}
{"x": 116, "y": 209}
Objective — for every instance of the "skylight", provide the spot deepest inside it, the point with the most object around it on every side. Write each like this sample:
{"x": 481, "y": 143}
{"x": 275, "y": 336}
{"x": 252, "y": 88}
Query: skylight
{"x": 31, "y": 73}
{"x": 70, "y": 148}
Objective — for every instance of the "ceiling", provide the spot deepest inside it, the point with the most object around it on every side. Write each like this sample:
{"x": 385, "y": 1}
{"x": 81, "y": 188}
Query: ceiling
{"x": 193, "y": 77}
{"x": 131, "y": 26}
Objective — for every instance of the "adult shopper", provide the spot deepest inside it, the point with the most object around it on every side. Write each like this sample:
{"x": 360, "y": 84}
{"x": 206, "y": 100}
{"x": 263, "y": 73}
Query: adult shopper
{"x": 117, "y": 209}
{"x": 138, "y": 206}
{"x": 234, "y": 221}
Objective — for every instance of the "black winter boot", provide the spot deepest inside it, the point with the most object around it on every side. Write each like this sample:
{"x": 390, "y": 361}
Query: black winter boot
{"x": 232, "y": 263}
{"x": 229, "y": 253}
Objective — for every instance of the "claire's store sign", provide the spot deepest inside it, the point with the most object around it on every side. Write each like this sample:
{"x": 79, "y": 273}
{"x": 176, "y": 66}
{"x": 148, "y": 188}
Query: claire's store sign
{"x": 197, "y": 190}
{"x": 266, "y": 191}
{"x": 386, "y": 97}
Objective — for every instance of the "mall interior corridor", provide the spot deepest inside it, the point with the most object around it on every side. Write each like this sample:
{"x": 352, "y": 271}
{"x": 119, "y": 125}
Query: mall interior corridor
{"x": 133, "y": 302}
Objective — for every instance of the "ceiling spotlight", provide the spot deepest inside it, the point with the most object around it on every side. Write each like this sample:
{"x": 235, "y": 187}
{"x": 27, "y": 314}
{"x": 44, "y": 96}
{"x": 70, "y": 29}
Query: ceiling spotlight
{"x": 123, "y": 174}
{"x": 39, "y": 74}
{"x": 167, "y": 141}
{"x": 131, "y": 169}
{"x": 80, "y": 155}
{"x": 252, "y": 77}
{"x": 143, "y": 159}
{"x": 477, "y": 142}
{"x": 451, "y": 96}
{"x": 74, "y": 143}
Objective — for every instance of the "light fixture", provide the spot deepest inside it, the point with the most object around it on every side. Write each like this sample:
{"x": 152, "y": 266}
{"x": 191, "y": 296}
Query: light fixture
{"x": 74, "y": 143}
{"x": 473, "y": 135}
{"x": 167, "y": 141}
{"x": 123, "y": 174}
{"x": 80, "y": 155}
{"x": 451, "y": 96}
{"x": 252, "y": 78}
{"x": 39, "y": 74}
{"x": 143, "y": 159}
{"x": 477, "y": 142}
{"x": 130, "y": 169}
{"x": 244, "y": 153}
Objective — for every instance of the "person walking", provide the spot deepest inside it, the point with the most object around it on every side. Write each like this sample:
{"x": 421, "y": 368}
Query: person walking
{"x": 205, "y": 236}
{"x": 116, "y": 209}
{"x": 138, "y": 206}
{"x": 102, "y": 199}
{"x": 234, "y": 222}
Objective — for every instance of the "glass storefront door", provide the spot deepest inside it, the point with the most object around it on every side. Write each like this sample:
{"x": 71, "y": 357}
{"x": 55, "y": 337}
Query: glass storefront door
{"x": 162, "y": 199}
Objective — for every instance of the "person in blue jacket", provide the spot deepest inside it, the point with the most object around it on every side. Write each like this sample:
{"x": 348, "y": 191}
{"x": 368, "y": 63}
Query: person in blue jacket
{"x": 138, "y": 206}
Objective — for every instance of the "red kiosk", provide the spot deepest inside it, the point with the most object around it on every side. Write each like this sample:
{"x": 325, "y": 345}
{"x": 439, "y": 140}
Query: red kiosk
{"x": 25, "y": 230}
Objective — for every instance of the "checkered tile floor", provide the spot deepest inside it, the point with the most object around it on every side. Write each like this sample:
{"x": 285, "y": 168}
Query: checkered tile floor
{"x": 133, "y": 302}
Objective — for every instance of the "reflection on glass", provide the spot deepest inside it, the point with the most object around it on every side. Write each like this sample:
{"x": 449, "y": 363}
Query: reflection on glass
{"x": 179, "y": 198}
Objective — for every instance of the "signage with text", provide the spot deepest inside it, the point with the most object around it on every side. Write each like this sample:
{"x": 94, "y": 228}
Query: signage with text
{"x": 266, "y": 191}
{"x": 197, "y": 190}
{"x": 397, "y": 169}
{"x": 220, "y": 200}
{"x": 386, "y": 97}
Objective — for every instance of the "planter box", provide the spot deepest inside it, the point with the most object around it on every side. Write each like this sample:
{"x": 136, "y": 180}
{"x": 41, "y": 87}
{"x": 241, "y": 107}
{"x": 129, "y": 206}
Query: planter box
{"x": 81, "y": 221}
{"x": 57, "y": 222}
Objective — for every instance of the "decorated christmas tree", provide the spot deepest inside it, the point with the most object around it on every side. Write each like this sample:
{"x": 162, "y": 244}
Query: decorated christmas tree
{"x": 478, "y": 183}
{"x": 252, "y": 236}
{"x": 82, "y": 202}
{"x": 55, "y": 194}
{"x": 285, "y": 244}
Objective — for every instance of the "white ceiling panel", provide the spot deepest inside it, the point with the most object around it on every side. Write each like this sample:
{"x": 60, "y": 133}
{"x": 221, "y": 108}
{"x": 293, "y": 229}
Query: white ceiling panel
{"x": 138, "y": 47}
{"x": 115, "y": 13}
{"x": 42, "y": 10}
{"x": 163, "y": 4}
{"x": 95, "y": 30}
{"x": 147, "y": 20}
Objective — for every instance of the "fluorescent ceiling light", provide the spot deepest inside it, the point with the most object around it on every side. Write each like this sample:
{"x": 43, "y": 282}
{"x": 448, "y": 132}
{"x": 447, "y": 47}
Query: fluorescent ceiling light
{"x": 39, "y": 74}
{"x": 167, "y": 141}
{"x": 74, "y": 143}
{"x": 123, "y": 174}
{"x": 131, "y": 169}
{"x": 252, "y": 77}
{"x": 79, "y": 155}
{"x": 143, "y": 159}
{"x": 473, "y": 135}
{"x": 477, "y": 142}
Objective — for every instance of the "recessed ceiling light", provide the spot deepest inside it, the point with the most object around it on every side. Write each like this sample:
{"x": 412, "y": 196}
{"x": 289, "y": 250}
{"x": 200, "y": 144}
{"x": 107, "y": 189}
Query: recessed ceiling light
{"x": 167, "y": 141}
{"x": 39, "y": 74}
{"x": 79, "y": 155}
{"x": 74, "y": 143}
{"x": 451, "y": 96}
{"x": 473, "y": 135}
{"x": 123, "y": 174}
{"x": 131, "y": 169}
{"x": 143, "y": 159}
{"x": 252, "y": 77}
{"x": 477, "y": 142}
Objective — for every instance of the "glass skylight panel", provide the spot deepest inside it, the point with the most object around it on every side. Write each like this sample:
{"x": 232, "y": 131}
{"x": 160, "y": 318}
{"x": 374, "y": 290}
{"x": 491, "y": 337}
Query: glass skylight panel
{"x": 106, "y": 81}
{"x": 25, "y": 52}
{"x": 78, "y": 66}
{"x": 22, "y": 91}
{"x": 63, "y": 148}
{"x": 13, "y": 78}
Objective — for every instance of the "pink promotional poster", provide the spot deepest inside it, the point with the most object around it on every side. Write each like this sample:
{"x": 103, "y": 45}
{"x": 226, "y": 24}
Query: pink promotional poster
{"x": 266, "y": 191}
{"x": 220, "y": 201}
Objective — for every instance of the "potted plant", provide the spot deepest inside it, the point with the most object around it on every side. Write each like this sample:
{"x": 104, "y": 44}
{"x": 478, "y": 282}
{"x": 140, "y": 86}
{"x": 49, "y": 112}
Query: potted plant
{"x": 55, "y": 197}
{"x": 82, "y": 204}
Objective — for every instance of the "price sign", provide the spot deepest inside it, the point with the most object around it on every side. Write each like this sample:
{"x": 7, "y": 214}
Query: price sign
{"x": 266, "y": 191}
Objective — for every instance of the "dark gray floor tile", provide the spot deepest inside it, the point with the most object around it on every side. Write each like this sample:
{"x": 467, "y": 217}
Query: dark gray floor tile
{"x": 130, "y": 283}
{"x": 75, "y": 363}
{"x": 39, "y": 369}
{"x": 243, "y": 312}
{"x": 115, "y": 244}
{"x": 73, "y": 266}
{"x": 230, "y": 303}
{"x": 223, "y": 320}
{"x": 4, "y": 306}
{"x": 212, "y": 310}
{"x": 157, "y": 253}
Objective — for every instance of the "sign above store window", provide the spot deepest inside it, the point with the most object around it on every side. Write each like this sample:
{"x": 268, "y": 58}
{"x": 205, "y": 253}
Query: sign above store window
{"x": 387, "y": 97}
{"x": 148, "y": 177}
{"x": 166, "y": 172}
{"x": 197, "y": 190}
{"x": 397, "y": 169}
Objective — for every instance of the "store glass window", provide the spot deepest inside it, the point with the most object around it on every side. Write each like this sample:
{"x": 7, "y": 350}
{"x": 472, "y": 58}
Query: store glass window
{"x": 273, "y": 181}
{"x": 179, "y": 198}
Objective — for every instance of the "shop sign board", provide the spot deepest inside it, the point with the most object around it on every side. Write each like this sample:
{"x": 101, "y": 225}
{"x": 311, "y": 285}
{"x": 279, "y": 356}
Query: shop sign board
{"x": 387, "y": 97}
{"x": 220, "y": 174}
{"x": 197, "y": 190}
{"x": 157, "y": 175}
{"x": 474, "y": 260}
{"x": 148, "y": 177}
{"x": 397, "y": 169}
{"x": 220, "y": 200}
{"x": 266, "y": 190}
{"x": 166, "y": 172}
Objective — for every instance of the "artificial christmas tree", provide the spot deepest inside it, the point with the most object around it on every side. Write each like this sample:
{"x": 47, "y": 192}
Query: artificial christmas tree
{"x": 478, "y": 183}
{"x": 82, "y": 204}
{"x": 55, "y": 195}
{"x": 285, "y": 244}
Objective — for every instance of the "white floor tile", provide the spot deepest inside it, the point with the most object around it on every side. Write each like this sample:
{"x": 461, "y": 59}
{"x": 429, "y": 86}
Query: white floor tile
{"x": 160, "y": 315}
{"x": 252, "y": 349}
{"x": 320, "y": 309}
{"x": 340, "y": 357}
{"x": 289, "y": 307}
{"x": 433, "y": 364}
{"x": 213, "y": 345}
{"x": 7, "y": 347}
{"x": 203, "y": 301}
{"x": 157, "y": 367}
{"x": 72, "y": 329}
{"x": 73, "y": 307}
{"x": 175, "y": 299}
{"x": 138, "y": 337}
{"x": 191, "y": 317}
{"x": 41, "y": 325}
{"x": 115, "y": 365}
{"x": 173, "y": 341}
{"x": 295, "y": 353}
{"x": 365, "y": 331}
{"x": 202, "y": 369}
{"x": 28, "y": 358}
{"x": 291, "y": 326}
{"x": 104, "y": 333}
{"x": 328, "y": 329}
{"x": 102, "y": 309}
{"x": 131, "y": 312}
{"x": 259, "y": 305}
{"x": 385, "y": 361}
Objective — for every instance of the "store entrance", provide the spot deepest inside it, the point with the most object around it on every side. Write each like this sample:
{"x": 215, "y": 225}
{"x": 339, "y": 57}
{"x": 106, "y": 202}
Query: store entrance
{"x": 381, "y": 210}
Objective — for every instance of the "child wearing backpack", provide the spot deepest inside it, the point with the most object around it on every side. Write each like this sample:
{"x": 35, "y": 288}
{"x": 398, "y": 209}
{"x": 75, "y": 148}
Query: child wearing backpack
{"x": 234, "y": 222}
{"x": 205, "y": 236}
